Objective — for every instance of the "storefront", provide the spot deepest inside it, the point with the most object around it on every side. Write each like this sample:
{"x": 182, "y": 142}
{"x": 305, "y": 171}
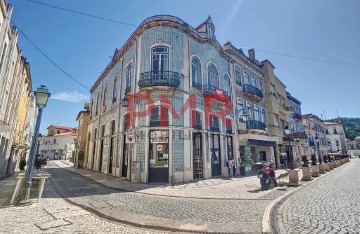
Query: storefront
{"x": 215, "y": 155}
{"x": 159, "y": 156}
{"x": 198, "y": 169}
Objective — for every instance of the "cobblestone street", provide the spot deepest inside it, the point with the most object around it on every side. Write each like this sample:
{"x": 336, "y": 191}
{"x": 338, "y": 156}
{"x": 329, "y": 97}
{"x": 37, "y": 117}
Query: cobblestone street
{"x": 329, "y": 205}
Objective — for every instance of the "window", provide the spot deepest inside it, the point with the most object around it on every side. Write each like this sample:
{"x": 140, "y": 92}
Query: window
{"x": 104, "y": 98}
{"x": 214, "y": 123}
{"x": 126, "y": 122}
{"x": 112, "y": 128}
{"x": 228, "y": 126}
{"x": 272, "y": 89}
{"x": 335, "y": 131}
{"x": 97, "y": 104}
{"x": 238, "y": 75}
{"x": 102, "y": 131}
{"x": 256, "y": 113}
{"x": 196, "y": 119}
{"x": 128, "y": 79}
{"x": 211, "y": 32}
{"x": 246, "y": 78}
{"x": 249, "y": 110}
{"x": 253, "y": 81}
{"x": 196, "y": 73}
{"x": 2, "y": 56}
{"x": 213, "y": 76}
{"x": 160, "y": 59}
{"x": 115, "y": 88}
{"x": 263, "y": 115}
{"x": 58, "y": 132}
{"x": 240, "y": 107}
{"x": 260, "y": 85}
{"x": 227, "y": 85}
{"x": 276, "y": 120}
{"x": 262, "y": 155}
{"x": 159, "y": 116}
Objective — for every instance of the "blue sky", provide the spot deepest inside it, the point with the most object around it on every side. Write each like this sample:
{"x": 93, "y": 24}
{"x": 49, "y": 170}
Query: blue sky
{"x": 82, "y": 46}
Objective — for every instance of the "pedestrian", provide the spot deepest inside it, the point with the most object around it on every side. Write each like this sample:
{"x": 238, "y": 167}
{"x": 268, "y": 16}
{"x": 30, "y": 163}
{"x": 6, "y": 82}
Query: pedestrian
{"x": 22, "y": 163}
{"x": 230, "y": 165}
{"x": 234, "y": 168}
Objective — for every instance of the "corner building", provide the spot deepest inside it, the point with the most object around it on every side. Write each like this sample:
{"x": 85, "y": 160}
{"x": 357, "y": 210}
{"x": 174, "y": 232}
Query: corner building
{"x": 171, "y": 84}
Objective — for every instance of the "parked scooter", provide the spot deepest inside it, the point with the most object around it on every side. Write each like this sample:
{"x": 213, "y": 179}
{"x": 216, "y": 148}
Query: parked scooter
{"x": 267, "y": 177}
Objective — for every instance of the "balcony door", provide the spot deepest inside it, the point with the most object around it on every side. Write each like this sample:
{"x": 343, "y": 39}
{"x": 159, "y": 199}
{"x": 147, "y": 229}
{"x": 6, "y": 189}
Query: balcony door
{"x": 160, "y": 61}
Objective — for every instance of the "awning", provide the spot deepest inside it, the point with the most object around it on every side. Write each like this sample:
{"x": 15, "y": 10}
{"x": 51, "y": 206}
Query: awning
{"x": 261, "y": 143}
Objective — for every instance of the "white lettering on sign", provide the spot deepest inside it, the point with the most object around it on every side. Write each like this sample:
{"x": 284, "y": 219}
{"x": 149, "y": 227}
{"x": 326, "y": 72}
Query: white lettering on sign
{"x": 159, "y": 140}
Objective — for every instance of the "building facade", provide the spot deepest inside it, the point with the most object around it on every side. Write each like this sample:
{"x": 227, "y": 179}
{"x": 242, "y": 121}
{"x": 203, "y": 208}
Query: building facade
{"x": 298, "y": 136}
{"x": 335, "y": 135}
{"x": 315, "y": 129}
{"x": 59, "y": 143}
{"x": 278, "y": 113}
{"x": 81, "y": 156}
{"x": 15, "y": 90}
{"x": 254, "y": 143}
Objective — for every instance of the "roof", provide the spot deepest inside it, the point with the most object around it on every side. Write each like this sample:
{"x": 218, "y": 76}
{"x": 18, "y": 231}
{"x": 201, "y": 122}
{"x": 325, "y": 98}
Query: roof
{"x": 62, "y": 127}
{"x": 62, "y": 134}
{"x": 331, "y": 123}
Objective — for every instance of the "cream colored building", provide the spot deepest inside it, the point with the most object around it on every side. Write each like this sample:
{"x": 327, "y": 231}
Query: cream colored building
{"x": 335, "y": 135}
{"x": 278, "y": 111}
{"x": 15, "y": 88}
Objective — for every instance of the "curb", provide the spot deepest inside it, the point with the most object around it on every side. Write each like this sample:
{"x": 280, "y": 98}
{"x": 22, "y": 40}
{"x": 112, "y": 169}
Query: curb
{"x": 269, "y": 210}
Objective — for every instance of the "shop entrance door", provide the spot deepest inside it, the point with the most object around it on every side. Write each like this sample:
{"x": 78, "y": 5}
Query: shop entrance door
{"x": 125, "y": 157}
{"x": 215, "y": 155}
{"x": 197, "y": 155}
{"x": 159, "y": 160}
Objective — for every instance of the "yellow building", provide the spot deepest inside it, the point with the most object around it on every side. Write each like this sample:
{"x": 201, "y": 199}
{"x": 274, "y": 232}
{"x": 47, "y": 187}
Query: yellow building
{"x": 20, "y": 144}
{"x": 277, "y": 110}
{"x": 83, "y": 119}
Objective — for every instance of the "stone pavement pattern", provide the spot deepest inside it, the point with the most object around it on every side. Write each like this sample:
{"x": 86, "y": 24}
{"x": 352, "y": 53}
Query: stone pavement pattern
{"x": 54, "y": 215}
{"x": 329, "y": 205}
{"x": 161, "y": 211}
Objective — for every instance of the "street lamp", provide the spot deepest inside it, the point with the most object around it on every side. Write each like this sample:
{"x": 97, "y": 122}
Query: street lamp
{"x": 290, "y": 158}
{"x": 38, "y": 144}
{"x": 318, "y": 148}
{"x": 41, "y": 96}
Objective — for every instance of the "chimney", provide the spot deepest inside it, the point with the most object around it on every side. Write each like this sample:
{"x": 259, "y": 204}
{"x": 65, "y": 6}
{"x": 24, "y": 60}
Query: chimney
{"x": 252, "y": 54}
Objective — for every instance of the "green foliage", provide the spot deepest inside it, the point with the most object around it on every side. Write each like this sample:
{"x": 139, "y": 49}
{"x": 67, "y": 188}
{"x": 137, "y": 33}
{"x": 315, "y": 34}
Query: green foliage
{"x": 39, "y": 162}
{"x": 351, "y": 127}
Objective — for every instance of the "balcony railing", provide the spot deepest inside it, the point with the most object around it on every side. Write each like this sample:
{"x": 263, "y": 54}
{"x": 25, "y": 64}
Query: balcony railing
{"x": 197, "y": 85}
{"x": 255, "y": 124}
{"x": 248, "y": 88}
{"x": 210, "y": 89}
{"x": 166, "y": 78}
{"x": 296, "y": 116}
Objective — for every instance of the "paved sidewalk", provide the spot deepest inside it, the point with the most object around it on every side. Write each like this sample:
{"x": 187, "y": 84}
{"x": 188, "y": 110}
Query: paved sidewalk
{"x": 53, "y": 215}
{"x": 245, "y": 188}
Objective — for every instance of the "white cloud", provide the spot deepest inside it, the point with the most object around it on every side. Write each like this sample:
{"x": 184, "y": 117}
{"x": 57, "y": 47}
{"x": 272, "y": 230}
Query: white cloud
{"x": 75, "y": 97}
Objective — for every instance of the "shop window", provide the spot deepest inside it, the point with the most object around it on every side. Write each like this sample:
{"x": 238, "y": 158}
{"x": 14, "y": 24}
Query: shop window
{"x": 262, "y": 156}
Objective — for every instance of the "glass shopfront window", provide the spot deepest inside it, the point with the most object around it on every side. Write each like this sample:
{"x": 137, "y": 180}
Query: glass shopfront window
{"x": 159, "y": 149}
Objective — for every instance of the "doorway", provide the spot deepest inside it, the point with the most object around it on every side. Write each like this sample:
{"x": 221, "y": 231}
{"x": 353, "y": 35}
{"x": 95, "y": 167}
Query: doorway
{"x": 124, "y": 170}
{"x": 159, "y": 157}
{"x": 197, "y": 156}
{"x": 215, "y": 154}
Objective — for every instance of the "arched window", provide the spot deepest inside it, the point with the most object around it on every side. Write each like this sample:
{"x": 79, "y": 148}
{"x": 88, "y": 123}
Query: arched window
{"x": 228, "y": 126}
{"x": 227, "y": 85}
{"x": 102, "y": 131}
{"x": 196, "y": 73}
{"x": 112, "y": 128}
{"x": 213, "y": 76}
{"x": 238, "y": 76}
{"x": 104, "y": 99}
{"x": 114, "y": 96}
{"x": 128, "y": 79}
{"x": 97, "y": 103}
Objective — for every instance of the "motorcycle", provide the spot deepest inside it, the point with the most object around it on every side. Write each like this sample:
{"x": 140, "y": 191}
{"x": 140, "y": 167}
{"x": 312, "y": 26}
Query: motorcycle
{"x": 267, "y": 178}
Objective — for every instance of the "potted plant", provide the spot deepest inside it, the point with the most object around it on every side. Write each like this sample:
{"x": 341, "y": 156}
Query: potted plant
{"x": 39, "y": 162}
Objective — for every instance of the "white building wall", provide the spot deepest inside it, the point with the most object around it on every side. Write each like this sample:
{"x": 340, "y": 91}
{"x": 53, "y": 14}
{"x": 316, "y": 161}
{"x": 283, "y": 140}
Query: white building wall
{"x": 57, "y": 147}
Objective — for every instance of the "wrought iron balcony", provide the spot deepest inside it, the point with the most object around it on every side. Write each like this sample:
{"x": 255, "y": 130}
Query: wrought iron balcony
{"x": 250, "y": 89}
{"x": 166, "y": 78}
{"x": 210, "y": 89}
{"x": 255, "y": 124}
{"x": 296, "y": 116}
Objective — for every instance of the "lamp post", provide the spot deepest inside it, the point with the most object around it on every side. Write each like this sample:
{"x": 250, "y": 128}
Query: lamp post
{"x": 41, "y": 96}
{"x": 38, "y": 143}
{"x": 318, "y": 148}
{"x": 289, "y": 156}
